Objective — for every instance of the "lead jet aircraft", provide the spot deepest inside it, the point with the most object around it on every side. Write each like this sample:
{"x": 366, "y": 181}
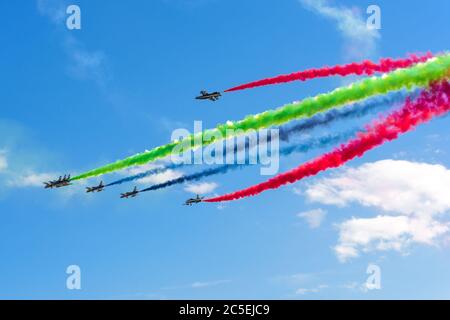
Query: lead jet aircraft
{"x": 60, "y": 182}
{"x": 191, "y": 201}
{"x": 209, "y": 96}
{"x": 98, "y": 188}
{"x": 130, "y": 194}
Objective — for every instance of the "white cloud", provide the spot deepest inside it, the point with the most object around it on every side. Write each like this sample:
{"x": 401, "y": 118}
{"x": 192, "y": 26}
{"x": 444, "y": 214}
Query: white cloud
{"x": 84, "y": 64}
{"x": 201, "y": 188}
{"x": 360, "y": 40}
{"x": 351, "y": 285}
{"x": 55, "y": 10}
{"x": 357, "y": 286}
{"x": 300, "y": 283}
{"x": 314, "y": 218}
{"x": 392, "y": 185}
{"x": 385, "y": 233}
{"x": 3, "y": 162}
{"x": 30, "y": 179}
{"x": 199, "y": 284}
{"x": 304, "y": 291}
{"x": 161, "y": 177}
{"x": 31, "y": 173}
{"x": 413, "y": 196}
{"x": 139, "y": 169}
{"x": 221, "y": 206}
{"x": 87, "y": 62}
{"x": 296, "y": 279}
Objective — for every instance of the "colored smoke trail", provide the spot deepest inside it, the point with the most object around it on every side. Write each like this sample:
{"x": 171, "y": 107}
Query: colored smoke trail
{"x": 144, "y": 174}
{"x": 306, "y": 146}
{"x": 366, "y": 67}
{"x": 354, "y": 110}
{"x": 419, "y": 75}
{"x": 431, "y": 103}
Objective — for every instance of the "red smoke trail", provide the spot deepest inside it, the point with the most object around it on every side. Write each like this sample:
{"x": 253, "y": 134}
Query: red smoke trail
{"x": 430, "y": 103}
{"x": 366, "y": 67}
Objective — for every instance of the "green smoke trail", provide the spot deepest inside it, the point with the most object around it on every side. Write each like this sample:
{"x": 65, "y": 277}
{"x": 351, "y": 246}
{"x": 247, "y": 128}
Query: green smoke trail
{"x": 418, "y": 75}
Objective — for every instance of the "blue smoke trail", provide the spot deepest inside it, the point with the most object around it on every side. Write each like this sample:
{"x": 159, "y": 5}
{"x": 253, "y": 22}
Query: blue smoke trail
{"x": 352, "y": 111}
{"x": 144, "y": 174}
{"x": 313, "y": 143}
{"x": 355, "y": 110}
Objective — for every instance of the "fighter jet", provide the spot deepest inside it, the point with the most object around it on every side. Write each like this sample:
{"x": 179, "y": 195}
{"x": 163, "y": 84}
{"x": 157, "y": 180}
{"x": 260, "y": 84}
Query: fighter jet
{"x": 209, "y": 96}
{"x": 130, "y": 194}
{"x": 60, "y": 182}
{"x": 191, "y": 201}
{"x": 98, "y": 188}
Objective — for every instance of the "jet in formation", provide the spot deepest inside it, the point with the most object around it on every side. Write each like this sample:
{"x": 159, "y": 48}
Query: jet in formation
{"x": 191, "y": 201}
{"x": 209, "y": 96}
{"x": 60, "y": 182}
{"x": 130, "y": 194}
{"x": 98, "y": 188}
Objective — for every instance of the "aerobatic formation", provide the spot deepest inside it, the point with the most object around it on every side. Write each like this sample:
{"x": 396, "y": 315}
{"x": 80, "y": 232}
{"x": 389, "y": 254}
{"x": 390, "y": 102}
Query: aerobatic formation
{"x": 416, "y": 89}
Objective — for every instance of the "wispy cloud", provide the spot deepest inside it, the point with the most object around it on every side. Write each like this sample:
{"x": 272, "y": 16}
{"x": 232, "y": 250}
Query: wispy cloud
{"x": 17, "y": 170}
{"x": 83, "y": 63}
{"x": 161, "y": 177}
{"x": 139, "y": 169}
{"x": 303, "y": 291}
{"x": 356, "y": 286}
{"x": 25, "y": 175}
{"x": 30, "y": 179}
{"x": 158, "y": 178}
{"x": 3, "y": 162}
{"x": 201, "y": 188}
{"x": 360, "y": 41}
{"x": 313, "y": 218}
{"x": 295, "y": 279}
{"x": 24, "y": 163}
{"x": 198, "y": 285}
{"x": 413, "y": 195}
{"x": 386, "y": 233}
{"x": 55, "y": 10}
{"x": 208, "y": 283}
{"x": 392, "y": 185}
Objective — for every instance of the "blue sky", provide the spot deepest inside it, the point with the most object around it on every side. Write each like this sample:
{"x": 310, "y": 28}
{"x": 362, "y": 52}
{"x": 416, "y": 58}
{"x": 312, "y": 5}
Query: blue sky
{"x": 74, "y": 100}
